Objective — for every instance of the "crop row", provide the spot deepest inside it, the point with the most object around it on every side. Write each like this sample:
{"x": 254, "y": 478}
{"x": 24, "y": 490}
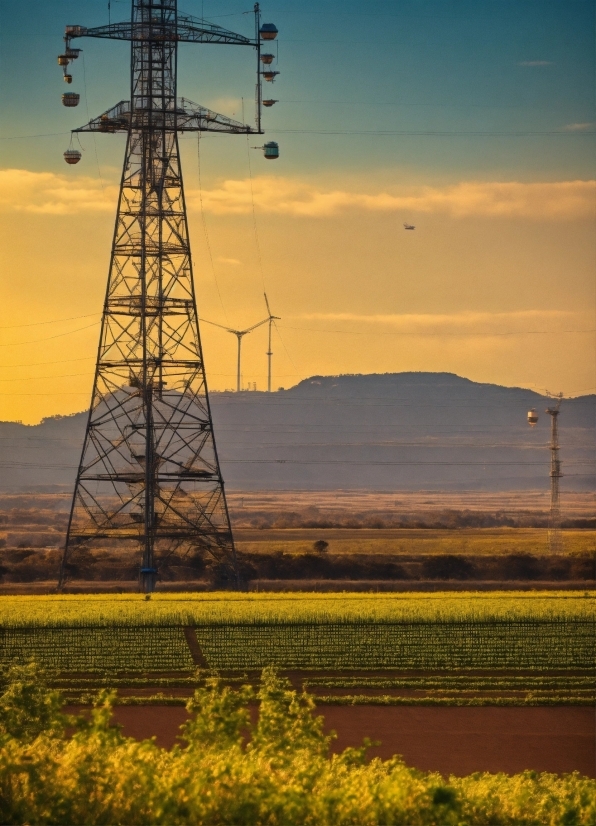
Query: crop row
{"x": 529, "y": 699}
{"x": 566, "y": 645}
{"x": 449, "y": 683}
{"x": 98, "y": 649}
{"x": 425, "y": 646}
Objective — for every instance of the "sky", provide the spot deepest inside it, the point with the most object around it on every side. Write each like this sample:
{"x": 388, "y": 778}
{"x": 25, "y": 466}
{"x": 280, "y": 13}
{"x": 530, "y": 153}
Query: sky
{"x": 475, "y": 122}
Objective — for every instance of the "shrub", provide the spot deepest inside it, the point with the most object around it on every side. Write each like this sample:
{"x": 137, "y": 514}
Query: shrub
{"x": 447, "y": 566}
{"x": 522, "y": 566}
{"x": 321, "y": 546}
{"x": 276, "y": 771}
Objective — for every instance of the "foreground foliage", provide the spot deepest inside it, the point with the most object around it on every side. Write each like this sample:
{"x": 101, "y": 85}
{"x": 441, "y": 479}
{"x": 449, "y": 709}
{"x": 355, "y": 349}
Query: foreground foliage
{"x": 229, "y": 770}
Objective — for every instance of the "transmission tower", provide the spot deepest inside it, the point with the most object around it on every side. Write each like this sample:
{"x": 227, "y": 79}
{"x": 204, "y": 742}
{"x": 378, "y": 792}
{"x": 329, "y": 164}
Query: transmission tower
{"x": 149, "y": 483}
{"x": 554, "y": 523}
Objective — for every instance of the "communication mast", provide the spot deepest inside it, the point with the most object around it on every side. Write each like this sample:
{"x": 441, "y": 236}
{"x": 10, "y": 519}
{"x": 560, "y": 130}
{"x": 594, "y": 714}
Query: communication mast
{"x": 149, "y": 486}
{"x": 554, "y": 524}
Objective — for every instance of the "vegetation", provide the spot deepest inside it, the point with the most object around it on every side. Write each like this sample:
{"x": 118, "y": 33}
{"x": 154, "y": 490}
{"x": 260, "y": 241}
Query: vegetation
{"x": 94, "y": 610}
{"x": 327, "y": 631}
{"x": 416, "y": 541}
{"x": 378, "y": 537}
{"x": 227, "y": 769}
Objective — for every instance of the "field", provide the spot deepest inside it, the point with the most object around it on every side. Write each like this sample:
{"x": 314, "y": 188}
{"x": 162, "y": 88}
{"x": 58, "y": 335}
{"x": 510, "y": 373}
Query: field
{"x": 499, "y": 682}
{"x": 373, "y": 541}
{"x": 413, "y": 541}
{"x": 536, "y": 648}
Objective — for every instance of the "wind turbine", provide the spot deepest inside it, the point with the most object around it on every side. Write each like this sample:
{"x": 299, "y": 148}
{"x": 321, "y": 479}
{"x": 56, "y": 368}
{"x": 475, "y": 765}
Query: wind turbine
{"x": 271, "y": 320}
{"x": 239, "y": 335}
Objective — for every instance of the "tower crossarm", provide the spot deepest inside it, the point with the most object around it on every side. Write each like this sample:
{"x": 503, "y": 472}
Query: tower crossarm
{"x": 194, "y": 30}
{"x": 185, "y": 29}
{"x": 185, "y": 117}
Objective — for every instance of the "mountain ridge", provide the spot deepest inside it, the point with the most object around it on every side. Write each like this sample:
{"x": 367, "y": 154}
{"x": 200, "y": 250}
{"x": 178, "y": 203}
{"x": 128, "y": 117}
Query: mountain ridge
{"x": 378, "y": 431}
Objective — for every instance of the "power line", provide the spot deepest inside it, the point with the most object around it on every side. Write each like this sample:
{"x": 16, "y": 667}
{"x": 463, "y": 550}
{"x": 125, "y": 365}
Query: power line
{"x": 329, "y": 462}
{"x": 438, "y": 133}
{"x": 286, "y": 349}
{"x": 426, "y": 334}
{"x": 204, "y": 223}
{"x": 23, "y": 137}
{"x": 254, "y": 214}
{"x": 48, "y": 338}
{"x": 53, "y": 321}
{"x": 41, "y": 378}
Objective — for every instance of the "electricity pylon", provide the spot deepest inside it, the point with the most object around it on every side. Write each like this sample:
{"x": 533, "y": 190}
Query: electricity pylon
{"x": 149, "y": 482}
{"x": 554, "y": 523}
{"x": 272, "y": 319}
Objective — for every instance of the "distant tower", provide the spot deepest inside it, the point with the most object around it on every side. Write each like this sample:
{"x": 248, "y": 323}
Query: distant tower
{"x": 149, "y": 487}
{"x": 272, "y": 319}
{"x": 554, "y": 524}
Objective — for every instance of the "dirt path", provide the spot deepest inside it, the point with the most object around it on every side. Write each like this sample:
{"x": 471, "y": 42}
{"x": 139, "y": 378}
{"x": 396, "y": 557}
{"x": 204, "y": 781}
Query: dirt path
{"x": 449, "y": 740}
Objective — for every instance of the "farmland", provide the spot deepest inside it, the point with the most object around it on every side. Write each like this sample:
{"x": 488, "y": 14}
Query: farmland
{"x": 536, "y": 648}
{"x": 365, "y": 661}
{"x": 232, "y": 766}
{"x": 388, "y": 541}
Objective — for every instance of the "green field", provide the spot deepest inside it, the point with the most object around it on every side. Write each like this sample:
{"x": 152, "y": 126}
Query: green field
{"x": 441, "y": 631}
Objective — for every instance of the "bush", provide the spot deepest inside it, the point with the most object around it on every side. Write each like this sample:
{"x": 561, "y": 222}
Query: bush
{"x": 447, "y": 566}
{"x": 522, "y": 566}
{"x": 321, "y": 546}
{"x": 276, "y": 771}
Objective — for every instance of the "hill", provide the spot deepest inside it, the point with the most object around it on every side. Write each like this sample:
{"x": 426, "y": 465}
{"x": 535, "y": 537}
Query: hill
{"x": 408, "y": 431}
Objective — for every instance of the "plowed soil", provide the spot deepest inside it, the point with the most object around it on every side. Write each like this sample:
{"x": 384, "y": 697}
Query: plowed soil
{"x": 449, "y": 740}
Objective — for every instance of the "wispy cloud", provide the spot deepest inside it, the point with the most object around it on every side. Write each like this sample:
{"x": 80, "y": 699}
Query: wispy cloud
{"x": 535, "y": 63}
{"x": 557, "y": 200}
{"x": 579, "y": 127}
{"x": 61, "y": 194}
{"x": 232, "y": 261}
{"x": 51, "y": 194}
{"x": 232, "y": 107}
{"x": 465, "y": 323}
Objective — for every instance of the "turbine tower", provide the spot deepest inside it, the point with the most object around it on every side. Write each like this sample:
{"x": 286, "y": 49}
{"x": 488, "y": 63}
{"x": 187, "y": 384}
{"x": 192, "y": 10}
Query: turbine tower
{"x": 272, "y": 319}
{"x": 239, "y": 335}
{"x": 554, "y": 525}
{"x": 149, "y": 486}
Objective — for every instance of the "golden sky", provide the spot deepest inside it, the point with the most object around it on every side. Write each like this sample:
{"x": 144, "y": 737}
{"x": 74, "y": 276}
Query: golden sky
{"x": 495, "y": 284}
{"x": 473, "y": 121}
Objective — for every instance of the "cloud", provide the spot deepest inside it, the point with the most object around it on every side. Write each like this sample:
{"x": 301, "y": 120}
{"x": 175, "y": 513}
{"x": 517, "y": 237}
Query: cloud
{"x": 229, "y": 106}
{"x": 462, "y": 323}
{"x": 535, "y": 63}
{"x": 579, "y": 127}
{"x": 51, "y": 194}
{"x": 557, "y": 200}
{"x": 61, "y": 194}
{"x": 233, "y": 261}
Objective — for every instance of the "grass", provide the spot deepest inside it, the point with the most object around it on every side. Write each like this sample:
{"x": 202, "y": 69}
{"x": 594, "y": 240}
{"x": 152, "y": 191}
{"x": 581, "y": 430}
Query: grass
{"x": 406, "y": 542}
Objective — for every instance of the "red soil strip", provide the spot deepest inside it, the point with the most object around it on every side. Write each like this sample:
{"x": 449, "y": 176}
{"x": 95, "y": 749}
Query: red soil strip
{"x": 465, "y": 740}
{"x": 448, "y": 740}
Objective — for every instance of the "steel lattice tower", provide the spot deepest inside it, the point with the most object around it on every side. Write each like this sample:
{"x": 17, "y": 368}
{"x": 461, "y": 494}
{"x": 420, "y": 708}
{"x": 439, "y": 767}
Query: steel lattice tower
{"x": 149, "y": 479}
{"x": 554, "y": 523}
